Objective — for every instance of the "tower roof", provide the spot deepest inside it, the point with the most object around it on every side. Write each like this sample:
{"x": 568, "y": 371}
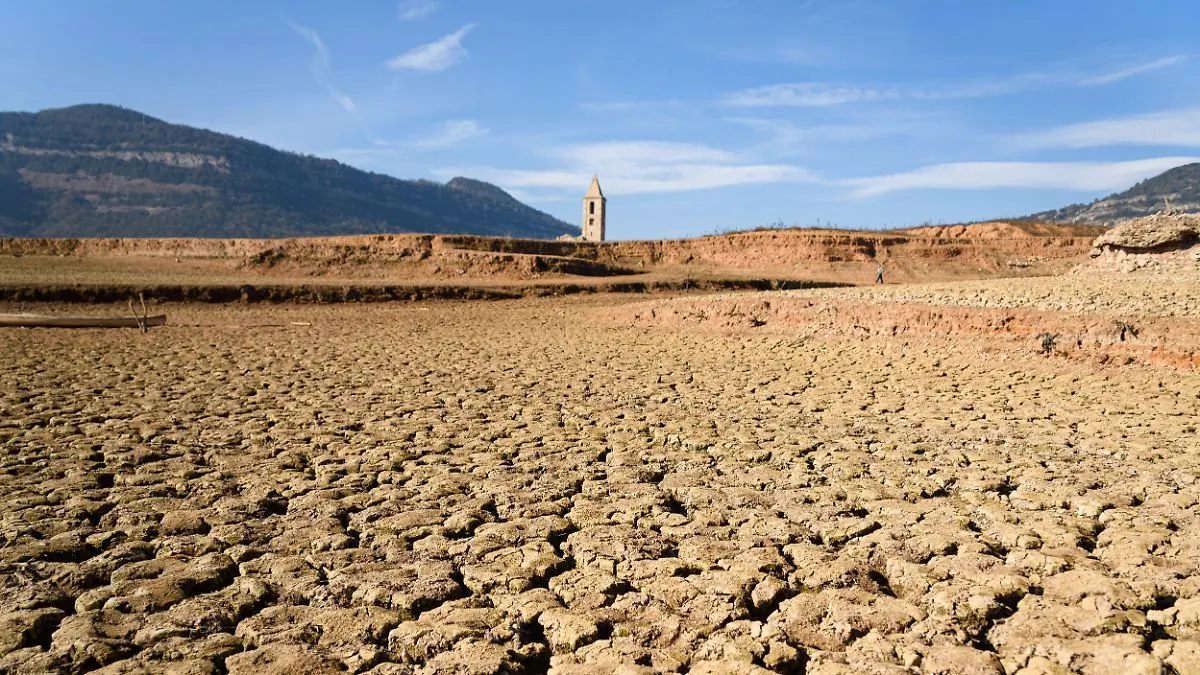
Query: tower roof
{"x": 594, "y": 189}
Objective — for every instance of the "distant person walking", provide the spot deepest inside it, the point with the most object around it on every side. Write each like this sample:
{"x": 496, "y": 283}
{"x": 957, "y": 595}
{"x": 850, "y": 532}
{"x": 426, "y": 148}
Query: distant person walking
{"x": 879, "y": 273}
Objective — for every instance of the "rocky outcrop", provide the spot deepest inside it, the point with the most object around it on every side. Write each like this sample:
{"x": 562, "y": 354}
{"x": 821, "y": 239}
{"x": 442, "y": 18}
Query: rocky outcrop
{"x": 1152, "y": 234}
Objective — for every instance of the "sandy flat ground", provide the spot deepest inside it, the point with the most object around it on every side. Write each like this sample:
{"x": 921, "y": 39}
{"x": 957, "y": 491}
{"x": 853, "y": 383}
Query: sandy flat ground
{"x": 1086, "y": 293}
{"x": 526, "y": 485}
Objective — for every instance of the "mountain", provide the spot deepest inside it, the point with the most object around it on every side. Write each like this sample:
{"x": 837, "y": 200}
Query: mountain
{"x": 1181, "y": 186}
{"x": 101, "y": 170}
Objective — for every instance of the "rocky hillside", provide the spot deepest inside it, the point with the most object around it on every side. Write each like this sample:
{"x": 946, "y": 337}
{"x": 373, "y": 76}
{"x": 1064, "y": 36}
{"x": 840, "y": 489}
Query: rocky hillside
{"x": 99, "y": 170}
{"x": 1181, "y": 186}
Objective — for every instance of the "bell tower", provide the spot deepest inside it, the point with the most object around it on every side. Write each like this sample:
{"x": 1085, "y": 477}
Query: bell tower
{"x": 595, "y": 207}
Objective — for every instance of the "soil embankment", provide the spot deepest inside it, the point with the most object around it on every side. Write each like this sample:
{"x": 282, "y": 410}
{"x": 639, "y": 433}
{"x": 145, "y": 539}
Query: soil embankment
{"x": 787, "y": 258}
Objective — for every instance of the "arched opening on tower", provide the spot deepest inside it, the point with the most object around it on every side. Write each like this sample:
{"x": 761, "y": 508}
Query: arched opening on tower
{"x": 592, "y": 208}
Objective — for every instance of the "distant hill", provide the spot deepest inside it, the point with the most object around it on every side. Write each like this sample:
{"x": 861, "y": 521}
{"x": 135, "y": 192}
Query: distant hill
{"x": 101, "y": 170}
{"x": 1180, "y": 185}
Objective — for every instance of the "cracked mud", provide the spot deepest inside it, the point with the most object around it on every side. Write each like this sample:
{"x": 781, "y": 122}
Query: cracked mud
{"x": 528, "y": 486}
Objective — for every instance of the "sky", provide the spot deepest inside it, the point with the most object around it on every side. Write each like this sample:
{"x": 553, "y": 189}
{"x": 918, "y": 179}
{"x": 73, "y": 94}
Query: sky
{"x": 699, "y": 116}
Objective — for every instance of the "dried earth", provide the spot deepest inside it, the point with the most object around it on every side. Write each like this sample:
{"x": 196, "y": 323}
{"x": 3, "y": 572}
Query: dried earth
{"x": 585, "y": 485}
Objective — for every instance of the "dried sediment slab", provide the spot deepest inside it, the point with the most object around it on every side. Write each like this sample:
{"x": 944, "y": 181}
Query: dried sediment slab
{"x": 1103, "y": 317}
{"x": 527, "y": 485}
{"x": 1084, "y": 292}
{"x": 1151, "y": 233}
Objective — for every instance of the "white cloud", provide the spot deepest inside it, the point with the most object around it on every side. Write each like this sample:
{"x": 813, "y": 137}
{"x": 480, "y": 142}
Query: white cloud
{"x": 639, "y": 167}
{"x": 320, "y": 67}
{"x": 450, "y": 133}
{"x": 799, "y": 56}
{"x": 1081, "y": 176}
{"x": 782, "y": 134}
{"x": 523, "y": 196}
{"x": 1164, "y": 128}
{"x": 1133, "y": 71}
{"x": 434, "y": 56}
{"x": 624, "y": 154}
{"x": 631, "y": 106}
{"x": 788, "y": 54}
{"x": 805, "y": 94}
{"x": 679, "y": 178}
{"x": 783, "y": 137}
{"x": 411, "y": 10}
{"x": 823, "y": 94}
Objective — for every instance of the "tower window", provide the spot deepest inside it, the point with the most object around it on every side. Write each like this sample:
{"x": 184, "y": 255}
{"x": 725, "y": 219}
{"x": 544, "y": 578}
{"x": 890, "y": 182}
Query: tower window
{"x": 592, "y": 207}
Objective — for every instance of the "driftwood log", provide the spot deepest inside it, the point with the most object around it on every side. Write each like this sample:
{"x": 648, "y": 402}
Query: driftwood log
{"x": 58, "y": 321}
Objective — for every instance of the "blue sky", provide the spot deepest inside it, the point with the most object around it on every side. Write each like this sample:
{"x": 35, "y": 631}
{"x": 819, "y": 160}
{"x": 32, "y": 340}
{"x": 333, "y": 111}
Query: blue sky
{"x": 698, "y": 115}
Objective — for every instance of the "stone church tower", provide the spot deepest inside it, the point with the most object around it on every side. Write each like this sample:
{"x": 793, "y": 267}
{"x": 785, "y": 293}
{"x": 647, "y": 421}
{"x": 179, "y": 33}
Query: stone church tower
{"x": 595, "y": 206}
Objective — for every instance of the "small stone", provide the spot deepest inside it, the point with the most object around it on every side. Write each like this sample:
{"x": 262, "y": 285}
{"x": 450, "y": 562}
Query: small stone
{"x": 567, "y": 631}
{"x": 781, "y": 656}
{"x": 767, "y": 593}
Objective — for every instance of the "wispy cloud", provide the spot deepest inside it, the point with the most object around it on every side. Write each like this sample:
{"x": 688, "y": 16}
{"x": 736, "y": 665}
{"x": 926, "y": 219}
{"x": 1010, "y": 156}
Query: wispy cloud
{"x": 799, "y": 56}
{"x": 781, "y": 134}
{"x": 650, "y": 180}
{"x": 1126, "y": 73}
{"x": 528, "y": 198}
{"x": 611, "y": 154}
{"x": 824, "y": 94}
{"x": 639, "y": 167}
{"x": 382, "y": 155}
{"x": 647, "y": 118}
{"x": 319, "y": 66}
{"x": 411, "y": 10}
{"x": 1165, "y": 128}
{"x": 1081, "y": 176}
{"x": 786, "y": 137}
{"x": 791, "y": 55}
{"x": 435, "y": 56}
{"x": 631, "y": 106}
{"x": 805, "y": 94}
{"x": 451, "y": 132}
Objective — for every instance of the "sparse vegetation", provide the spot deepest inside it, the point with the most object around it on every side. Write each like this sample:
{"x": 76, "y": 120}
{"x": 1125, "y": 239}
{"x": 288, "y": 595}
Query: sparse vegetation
{"x": 1047, "y": 342}
{"x": 1126, "y": 329}
{"x": 775, "y": 226}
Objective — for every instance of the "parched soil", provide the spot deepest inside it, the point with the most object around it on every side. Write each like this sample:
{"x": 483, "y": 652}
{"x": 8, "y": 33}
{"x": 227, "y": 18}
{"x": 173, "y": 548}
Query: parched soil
{"x": 547, "y": 484}
{"x": 1103, "y": 317}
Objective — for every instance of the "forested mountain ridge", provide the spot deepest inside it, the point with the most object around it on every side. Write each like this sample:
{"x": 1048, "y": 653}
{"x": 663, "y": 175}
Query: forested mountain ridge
{"x": 1179, "y": 187}
{"x": 101, "y": 170}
